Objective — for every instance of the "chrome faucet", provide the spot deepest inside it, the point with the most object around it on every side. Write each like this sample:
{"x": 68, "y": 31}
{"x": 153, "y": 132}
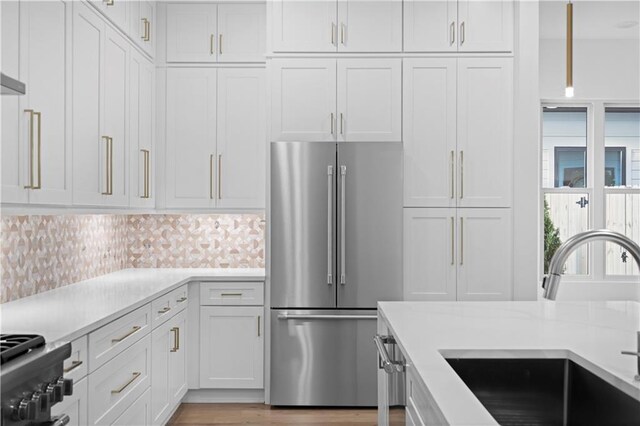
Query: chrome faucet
{"x": 637, "y": 355}
{"x": 551, "y": 281}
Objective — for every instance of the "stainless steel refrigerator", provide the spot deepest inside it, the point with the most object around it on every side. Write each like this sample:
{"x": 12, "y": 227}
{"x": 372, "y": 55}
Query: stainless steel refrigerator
{"x": 336, "y": 250}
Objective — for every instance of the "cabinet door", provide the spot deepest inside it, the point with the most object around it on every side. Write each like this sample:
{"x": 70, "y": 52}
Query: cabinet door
{"x": 147, "y": 26}
{"x": 191, "y": 137}
{"x": 485, "y": 25}
{"x": 231, "y": 347}
{"x": 241, "y": 137}
{"x": 241, "y": 32}
{"x": 141, "y": 112}
{"x": 13, "y": 147}
{"x": 484, "y": 254}
{"x": 138, "y": 413}
{"x": 89, "y": 151}
{"x": 116, "y": 10}
{"x": 485, "y": 132}
{"x": 429, "y": 254}
{"x": 303, "y": 100}
{"x": 369, "y": 100}
{"x": 304, "y": 26}
{"x": 74, "y": 406}
{"x": 116, "y": 70}
{"x": 369, "y": 26}
{"x": 162, "y": 343}
{"x": 178, "y": 359}
{"x": 429, "y": 132}
{"x": 430, "y": 26}
{"x": 44, "y": 64}
{"x": 191, "y": 32}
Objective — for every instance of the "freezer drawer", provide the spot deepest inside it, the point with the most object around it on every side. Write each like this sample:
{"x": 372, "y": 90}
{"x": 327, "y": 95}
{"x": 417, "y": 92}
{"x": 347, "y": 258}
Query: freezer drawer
{"x": 323, "y": 357}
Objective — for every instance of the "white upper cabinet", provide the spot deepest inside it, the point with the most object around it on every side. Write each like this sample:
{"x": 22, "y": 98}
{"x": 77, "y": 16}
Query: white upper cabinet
{"x": 484, "y": 257}
{"x": 343, "y": 26}
{"x": 191, "y": 32}
{"x": 141, "y": 141}
{"x": 369, "y": 25}
{"x": 216, "y": 33}
{"x": 303, "y": 99}
{"x": 191, "y": 137}
{"x": 485, "y": 26}
{"x": 369, "y": 100}
{"x": 485, "y": 132}
{"x": 241, "y": 137}
{"x": 241, "y": 32}
{"x": 304, "y": 26}
{"x": 458, "y": 25}
{"x": 142, "y": 24}
{"x": 430, "y": 132}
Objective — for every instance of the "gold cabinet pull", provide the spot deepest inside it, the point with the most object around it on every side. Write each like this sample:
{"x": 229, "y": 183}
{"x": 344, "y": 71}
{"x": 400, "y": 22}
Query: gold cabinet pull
{"x": 333, "y": 34}
{"x": 147, "y": 29}
{"x": 123, "y": 387}
{"x": 258, "y": 325}
{"x": 452, "y": 166}
{"x": 220, "y": 44}
{"x": 462, "y": 33}
{"x": 176, "y": 339}
{"x": 212, "y": 44}
{"x": 121, "y": 338}
{"x": 107, "y": 140}
{"x": 109, "y": 2}
{"x": 146, "y": 173}
{"x": 231, "y": 294}
{"x": 219, "y": 176}
{"x": 341, "y": 123}
{"x": 31, "y": 148}
{"x": 38, "y": 115}
{"x": 342, "y": 34}
{"x": 452, "y": 33}
{"x": 453, "y": 230}
{"x": 332, "y": 129}
{"x": 164, "y": 310}
{"x": 211, "y": 176}
{"x": 461, "y": 230}
{"x": 461, "y": 174}
{"x": 182, "y": 299}
{"x": 73, "y": 366}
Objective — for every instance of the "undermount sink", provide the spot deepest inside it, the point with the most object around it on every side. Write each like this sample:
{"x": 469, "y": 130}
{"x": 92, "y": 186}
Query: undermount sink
{"x": 545, "y": 392}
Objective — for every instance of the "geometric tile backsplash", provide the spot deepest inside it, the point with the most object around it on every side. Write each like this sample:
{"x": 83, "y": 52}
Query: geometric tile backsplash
{"x": 42, "y": 252}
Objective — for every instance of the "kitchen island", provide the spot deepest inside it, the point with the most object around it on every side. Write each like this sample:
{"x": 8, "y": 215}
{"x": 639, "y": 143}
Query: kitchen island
{"x": 591, "y": 334}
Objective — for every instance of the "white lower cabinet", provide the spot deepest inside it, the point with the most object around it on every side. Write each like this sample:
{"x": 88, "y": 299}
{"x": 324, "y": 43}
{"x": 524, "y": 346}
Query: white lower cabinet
{"x": 74, "y": 406}
{"x": 457, "y": 254}
{"x": 231, "y": 347}
{"x": 168, "y": 367}
{"x": 138, "y": 414}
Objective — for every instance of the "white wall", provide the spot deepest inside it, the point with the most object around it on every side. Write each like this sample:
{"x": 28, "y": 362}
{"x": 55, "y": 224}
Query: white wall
{"x": 602, "y": 69}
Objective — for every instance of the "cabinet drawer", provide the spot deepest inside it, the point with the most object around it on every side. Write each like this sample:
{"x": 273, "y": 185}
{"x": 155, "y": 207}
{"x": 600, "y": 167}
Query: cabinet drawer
{"x": 74, "y": 406}
{"x": 118, "y": 383}
{"x": 419, "y": 402}
{"x": 75, "y": 367}
{"x": 115, "y": 337}
{"x": 232, "y": 293}
{"x": 167, "y": 305}
{"x": 138, "y": 414}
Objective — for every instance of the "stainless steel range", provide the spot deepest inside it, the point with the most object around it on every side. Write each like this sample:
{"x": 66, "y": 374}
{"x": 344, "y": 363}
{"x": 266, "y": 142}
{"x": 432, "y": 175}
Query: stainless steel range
{"x": 31, "y": 380}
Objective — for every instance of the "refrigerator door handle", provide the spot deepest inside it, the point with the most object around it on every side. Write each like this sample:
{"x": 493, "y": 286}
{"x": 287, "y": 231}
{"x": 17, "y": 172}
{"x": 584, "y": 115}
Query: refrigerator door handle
{"x": 330, "y": 225}
{"x": 343, "y": 214}
{"x": 286, "y": 316}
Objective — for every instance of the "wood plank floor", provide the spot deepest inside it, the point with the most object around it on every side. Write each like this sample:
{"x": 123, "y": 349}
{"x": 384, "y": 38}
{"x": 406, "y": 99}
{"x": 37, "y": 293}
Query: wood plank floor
{"x": 260, "y": 414}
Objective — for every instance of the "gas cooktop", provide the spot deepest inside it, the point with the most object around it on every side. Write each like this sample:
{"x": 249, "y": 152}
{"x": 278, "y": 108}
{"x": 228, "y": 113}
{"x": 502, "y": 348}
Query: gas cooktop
{"x": 15, "y": 345}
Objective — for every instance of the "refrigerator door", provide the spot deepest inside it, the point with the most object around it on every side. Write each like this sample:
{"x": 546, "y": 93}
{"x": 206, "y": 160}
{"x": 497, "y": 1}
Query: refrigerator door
{"x": 302, "y": 216}
{"x": 323, "y": 357}
{"x": 369, "y": 223}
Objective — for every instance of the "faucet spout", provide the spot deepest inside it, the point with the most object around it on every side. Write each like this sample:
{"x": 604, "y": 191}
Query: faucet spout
{"x": 551, "y": 281}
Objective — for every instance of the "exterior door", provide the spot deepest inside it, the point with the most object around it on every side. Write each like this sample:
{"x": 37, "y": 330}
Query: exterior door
{"x": 116, "y": 70}
{"x": 303, "y": 224}
{"x": 304, "y": 26}
{"x": 231, "y": 347}
{"x": 191, "y": 32}
{"x": 430, "y": 254}
{"x": 484, "y": 254}
{"x": 369, "y": 100}
{"x": 191, "y": 137}
{"x": 369, "y": 26}
{"x": 485, "y": 26}
{"x": 430, "y": 26}
{"x": 303, "y": 100}
{"x": 241, "y": 137}
{"x": 241, "y": 32}
{"x": 485, "y": 132}
{"x": 430, "y": 132}
{"x": 45, "y": 61}
{"x": 89, "y": 148}
{"x": 369, "y": 223}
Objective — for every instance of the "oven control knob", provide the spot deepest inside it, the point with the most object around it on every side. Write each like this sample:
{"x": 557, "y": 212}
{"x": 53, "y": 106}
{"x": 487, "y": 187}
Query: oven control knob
{"x": 55, "y": 392}
{"x": 43, "y": 405}
{"x": 25, "y": 410}
{"x": 67, "y": 386}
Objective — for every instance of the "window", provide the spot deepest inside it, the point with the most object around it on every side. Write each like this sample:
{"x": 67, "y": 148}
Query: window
{"x": 591, "y": 179}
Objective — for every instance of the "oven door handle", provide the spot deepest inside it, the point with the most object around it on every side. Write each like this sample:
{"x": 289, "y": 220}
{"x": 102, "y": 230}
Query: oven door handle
{"x": 61, "y": 420}
{"x": 390, "y": 367}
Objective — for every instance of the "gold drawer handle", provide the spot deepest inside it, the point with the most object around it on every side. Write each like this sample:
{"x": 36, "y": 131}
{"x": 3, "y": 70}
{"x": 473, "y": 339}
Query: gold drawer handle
{"x": 120, "y": 339}
{"x": 164, "y": 310}
{"x": 182, "y": 299}
{"x": 123, "y": 387}
{"x": 73, "y": 366}
{"x": 231, "y": 294}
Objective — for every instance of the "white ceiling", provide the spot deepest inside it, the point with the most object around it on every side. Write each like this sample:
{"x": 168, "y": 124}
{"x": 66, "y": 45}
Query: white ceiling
{"x": 592, "y": 19}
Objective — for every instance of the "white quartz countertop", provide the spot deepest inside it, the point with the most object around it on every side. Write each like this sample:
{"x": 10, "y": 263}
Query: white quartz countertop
{"x": 71, "y": 311}
{"x": 591, "y": 334}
